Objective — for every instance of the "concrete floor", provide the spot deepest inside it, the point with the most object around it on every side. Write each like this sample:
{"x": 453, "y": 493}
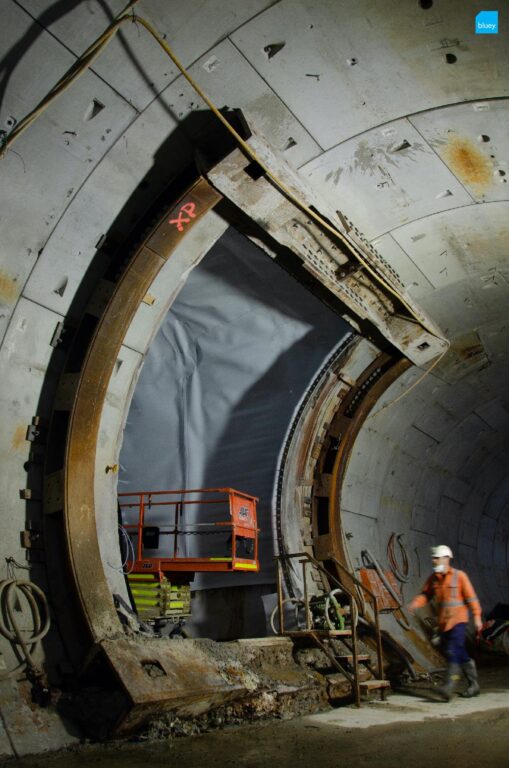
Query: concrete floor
{"x": 407, "y": 729}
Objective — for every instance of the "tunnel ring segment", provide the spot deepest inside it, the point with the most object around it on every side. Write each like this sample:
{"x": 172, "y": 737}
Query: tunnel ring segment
{"x": 77, "y": 494}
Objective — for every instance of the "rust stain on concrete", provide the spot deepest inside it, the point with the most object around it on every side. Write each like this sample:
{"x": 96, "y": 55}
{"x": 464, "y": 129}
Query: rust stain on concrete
{"x": 468, "y": 163}
{"x": 8, "y": 288}
{"x": 468, "y": 346}
{"x": 18, "y": 442}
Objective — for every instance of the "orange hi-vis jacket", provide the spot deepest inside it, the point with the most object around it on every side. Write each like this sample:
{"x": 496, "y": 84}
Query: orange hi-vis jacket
{"x": 453, "y": 595}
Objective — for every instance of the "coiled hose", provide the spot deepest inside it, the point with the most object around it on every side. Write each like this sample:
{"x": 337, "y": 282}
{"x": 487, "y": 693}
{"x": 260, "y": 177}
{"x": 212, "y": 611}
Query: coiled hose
{"x": 400, "y": 573}
{"x": 11, "y": 590}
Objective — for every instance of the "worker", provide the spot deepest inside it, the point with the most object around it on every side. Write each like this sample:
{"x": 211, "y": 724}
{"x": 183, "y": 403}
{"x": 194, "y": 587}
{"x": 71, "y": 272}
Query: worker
{"x": 454, "y": 596}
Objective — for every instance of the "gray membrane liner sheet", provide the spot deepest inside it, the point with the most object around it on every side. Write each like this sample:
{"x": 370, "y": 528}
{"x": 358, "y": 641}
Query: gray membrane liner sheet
{"x": 218, "y": 389}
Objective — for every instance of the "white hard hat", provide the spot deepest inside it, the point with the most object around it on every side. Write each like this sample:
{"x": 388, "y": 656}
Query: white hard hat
{"x": 441, "y": 551}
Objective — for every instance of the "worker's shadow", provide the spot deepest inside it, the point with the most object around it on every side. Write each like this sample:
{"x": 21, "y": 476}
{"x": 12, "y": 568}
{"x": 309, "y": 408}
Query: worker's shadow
{"x": 423, "y": 694}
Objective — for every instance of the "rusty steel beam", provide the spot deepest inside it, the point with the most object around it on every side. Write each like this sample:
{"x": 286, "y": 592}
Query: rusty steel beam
{"x": 353, "y": 412}
{"x": 348, "y": 422}
{"x": 317, "y": 451}
{"x": 337, "y": 255}
{"x": 78, "y": 475}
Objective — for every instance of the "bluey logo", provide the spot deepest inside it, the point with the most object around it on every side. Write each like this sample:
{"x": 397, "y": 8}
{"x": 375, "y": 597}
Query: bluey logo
{"x": 486, "y": 23}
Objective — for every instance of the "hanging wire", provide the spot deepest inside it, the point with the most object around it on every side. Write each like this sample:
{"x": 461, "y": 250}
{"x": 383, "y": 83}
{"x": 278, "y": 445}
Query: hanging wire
{"x": 78, "y": 68}
{"x": 130, "y": 553}
{"x": 415, "y": 383}
{"x": 85, "y": 61}
{"x": 90, "y": 55}
{"x": 12, "y": 564}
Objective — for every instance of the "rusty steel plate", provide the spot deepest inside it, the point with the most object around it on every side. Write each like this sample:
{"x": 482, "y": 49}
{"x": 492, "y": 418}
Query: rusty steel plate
{"x": 374, "y": 583}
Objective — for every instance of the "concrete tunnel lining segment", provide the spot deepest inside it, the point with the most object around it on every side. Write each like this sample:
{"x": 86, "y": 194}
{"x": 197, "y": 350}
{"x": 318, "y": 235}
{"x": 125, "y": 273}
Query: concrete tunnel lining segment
{"x": 446, "y": 441}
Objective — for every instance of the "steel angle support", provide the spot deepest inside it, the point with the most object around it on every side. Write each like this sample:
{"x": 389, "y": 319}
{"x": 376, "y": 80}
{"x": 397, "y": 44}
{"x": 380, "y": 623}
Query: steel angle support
{"x": 341, "y": 260}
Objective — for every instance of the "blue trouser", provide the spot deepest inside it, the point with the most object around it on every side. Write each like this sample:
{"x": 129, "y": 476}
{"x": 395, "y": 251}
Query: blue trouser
{"x": 454, "y": 644}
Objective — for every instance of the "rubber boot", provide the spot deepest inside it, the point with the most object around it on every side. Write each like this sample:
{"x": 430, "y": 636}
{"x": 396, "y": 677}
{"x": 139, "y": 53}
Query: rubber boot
{"x": 470, "y": 671}
{"x": 452, "y": 677}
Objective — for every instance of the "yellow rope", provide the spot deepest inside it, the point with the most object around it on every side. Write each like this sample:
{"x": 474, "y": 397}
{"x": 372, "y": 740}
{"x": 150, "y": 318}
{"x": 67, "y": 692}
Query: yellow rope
{"x": 282, "y": 187}
{"x": 85, "y": 61}
{"x": 412, "y": 386}
{"x": 76, "y": 70}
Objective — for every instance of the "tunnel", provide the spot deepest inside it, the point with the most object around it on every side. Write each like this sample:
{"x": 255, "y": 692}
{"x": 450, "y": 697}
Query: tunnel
{"x": 258, "y": 246}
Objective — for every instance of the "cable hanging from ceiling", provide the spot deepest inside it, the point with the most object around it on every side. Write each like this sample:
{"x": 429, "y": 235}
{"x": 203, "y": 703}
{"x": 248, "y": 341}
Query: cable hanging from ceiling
{"x": 86, "y": 60}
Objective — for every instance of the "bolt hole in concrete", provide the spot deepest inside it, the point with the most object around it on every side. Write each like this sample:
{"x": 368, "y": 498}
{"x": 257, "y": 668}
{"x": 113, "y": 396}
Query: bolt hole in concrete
{"x": 60, "y": 289}
{"x": 93, "y": 109}
{"x": 401, "y": 146}
{"x": 445, "y": 193}
{"x": 425, "y": 4}
{"x": 274, "y": 48}
{"x": 484, "y": 137}
{"x": 352, "y": 62}
{"x": 216, "y": 394}
{"x": 451, "y": 58}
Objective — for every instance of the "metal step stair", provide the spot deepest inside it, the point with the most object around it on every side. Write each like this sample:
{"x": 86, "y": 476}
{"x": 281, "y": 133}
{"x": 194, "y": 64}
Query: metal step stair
{"x": 373, "y": 685}
{"x": 349, "y": 658}
{"x": 319, "y": 632}
{"x": 352, "y": 665}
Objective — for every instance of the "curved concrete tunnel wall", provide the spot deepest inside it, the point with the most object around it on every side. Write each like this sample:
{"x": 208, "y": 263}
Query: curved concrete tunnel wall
{"x": 342, "y": 100}
{"x": 432, "y": 466}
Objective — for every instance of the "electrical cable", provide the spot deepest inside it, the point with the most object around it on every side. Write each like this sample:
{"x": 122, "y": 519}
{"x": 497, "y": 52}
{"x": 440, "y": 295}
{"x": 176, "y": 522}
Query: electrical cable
{"x": 299, "y": 203}
{"x": 281, "y": 186}
{"x": 298, "y": 604}
{"x": 130, "y": 553}
{"x": 402, "y": 619}
{"x": 415, "y": 383}
{"x": 85, "y": 61}
{"x": 338, "y": 610}
{"x": 80, "y": 66}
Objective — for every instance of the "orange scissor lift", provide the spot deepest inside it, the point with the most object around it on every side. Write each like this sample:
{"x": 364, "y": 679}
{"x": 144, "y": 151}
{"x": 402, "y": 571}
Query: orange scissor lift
{"x": 159, "y": 575}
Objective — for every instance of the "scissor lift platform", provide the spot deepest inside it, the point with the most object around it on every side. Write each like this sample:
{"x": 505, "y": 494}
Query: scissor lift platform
{"x": 163, "y": 514}
{"x": 159, "y": 567}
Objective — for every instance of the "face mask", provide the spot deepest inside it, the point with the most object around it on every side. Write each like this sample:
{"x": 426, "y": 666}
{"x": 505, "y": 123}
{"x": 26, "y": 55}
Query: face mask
{"x": 439, "y": 568}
